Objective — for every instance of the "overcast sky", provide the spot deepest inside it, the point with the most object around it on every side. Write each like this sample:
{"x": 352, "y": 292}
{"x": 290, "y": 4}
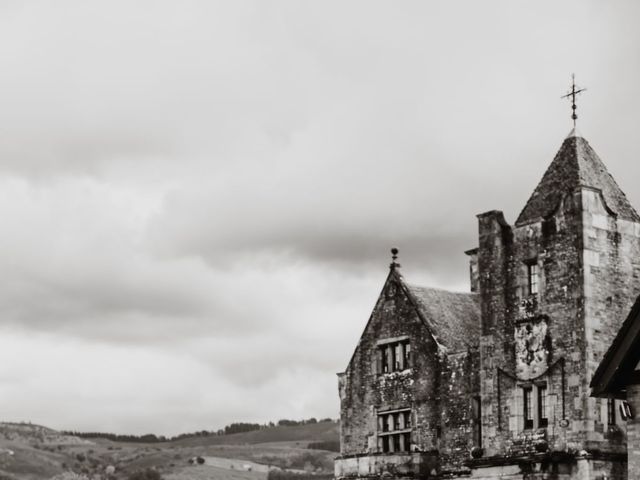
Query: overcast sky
{"x": 198, "y": 198}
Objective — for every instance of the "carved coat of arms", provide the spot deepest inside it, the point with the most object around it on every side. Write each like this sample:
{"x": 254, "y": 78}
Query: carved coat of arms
{"x": 532, "y": 350}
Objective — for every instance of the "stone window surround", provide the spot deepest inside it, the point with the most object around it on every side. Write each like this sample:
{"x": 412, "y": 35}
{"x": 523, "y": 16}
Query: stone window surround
{"x": 390, "y": 438}
{"x": 533, "y": 276}
{"x": 539, "y": 418}
{"x": 386, "y": 355}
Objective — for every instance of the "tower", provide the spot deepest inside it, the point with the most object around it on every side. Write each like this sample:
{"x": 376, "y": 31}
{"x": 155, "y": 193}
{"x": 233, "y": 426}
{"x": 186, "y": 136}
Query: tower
{"x": 553, "y": 288}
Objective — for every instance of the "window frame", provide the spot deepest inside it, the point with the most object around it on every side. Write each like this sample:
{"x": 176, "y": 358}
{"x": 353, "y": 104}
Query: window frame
{"x": 393, "y": 355}
{"x": 535, "y": 405}
{"x": 395, "y": 435}
{"x": 533, "y": 276}
{"x": 527, "y": 407}
{"x": 542, "y": 394}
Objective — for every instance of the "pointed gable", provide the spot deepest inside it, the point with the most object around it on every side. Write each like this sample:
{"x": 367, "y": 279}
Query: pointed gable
{"x": 452, "y": 318}
{"x": 575, "y": 165}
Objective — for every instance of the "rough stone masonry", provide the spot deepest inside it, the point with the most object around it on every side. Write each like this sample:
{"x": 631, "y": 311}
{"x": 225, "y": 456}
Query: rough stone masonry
{"x": 495, "y": 383}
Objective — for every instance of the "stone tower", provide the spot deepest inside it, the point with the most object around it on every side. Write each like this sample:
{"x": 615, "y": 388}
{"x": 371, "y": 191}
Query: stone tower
{"x": 553, "y": 288}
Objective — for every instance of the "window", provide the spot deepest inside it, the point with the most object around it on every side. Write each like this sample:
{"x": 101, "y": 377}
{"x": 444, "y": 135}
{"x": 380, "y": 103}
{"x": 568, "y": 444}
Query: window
{"x": 393, "y": 357}
{"x": 394, "y": 431}
{"x": 398, "y": 363}
{"x": 611, "y": 411}
{"x": 528, "y": 407}
{"x": 535, "y": 406}
{"x": 477, "y": 421}
{"x": 533, "y": 276}
{"x": 543, "y": 420}
{"x": 625, "y": 411}
{"x": 396, "y": 421}
{"x": 407, "y": 418}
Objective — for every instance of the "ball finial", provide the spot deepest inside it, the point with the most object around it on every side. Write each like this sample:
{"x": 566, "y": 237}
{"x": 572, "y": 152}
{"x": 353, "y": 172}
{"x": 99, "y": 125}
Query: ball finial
{"x": 394, "y": 257}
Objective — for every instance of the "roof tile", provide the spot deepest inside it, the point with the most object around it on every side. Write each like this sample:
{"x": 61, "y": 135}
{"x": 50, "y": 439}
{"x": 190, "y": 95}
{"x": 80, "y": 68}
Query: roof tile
{"x": 453, "y": 318}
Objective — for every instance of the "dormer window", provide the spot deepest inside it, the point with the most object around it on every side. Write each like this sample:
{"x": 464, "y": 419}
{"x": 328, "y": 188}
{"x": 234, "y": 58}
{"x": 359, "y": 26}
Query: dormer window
{"x": 533, "y": 277}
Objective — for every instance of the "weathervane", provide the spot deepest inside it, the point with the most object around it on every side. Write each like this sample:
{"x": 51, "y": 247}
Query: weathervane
{"x": 574, "y": 91}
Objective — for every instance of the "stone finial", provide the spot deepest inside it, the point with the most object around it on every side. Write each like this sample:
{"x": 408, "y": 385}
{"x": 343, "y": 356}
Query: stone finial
{"x": 394, "y": 257}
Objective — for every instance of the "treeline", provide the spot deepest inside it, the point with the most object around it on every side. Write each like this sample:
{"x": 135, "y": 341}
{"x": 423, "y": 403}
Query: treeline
{"x": 237, "y": 427}
{"x": 330, "y": 445}
{"x": 294, "y": 423}
{"x": 147, "y": 438}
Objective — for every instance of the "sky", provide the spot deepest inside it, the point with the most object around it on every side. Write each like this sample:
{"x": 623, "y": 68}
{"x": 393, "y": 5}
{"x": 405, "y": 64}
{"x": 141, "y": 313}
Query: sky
{"x": 198, "y": 198}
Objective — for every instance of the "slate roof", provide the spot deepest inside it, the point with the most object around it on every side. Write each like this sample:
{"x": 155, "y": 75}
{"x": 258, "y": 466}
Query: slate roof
{"x": 453, "y": 318}
{"x": 576, "y": 164}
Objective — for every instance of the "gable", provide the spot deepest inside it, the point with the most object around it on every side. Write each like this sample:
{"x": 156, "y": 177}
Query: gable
{"x": 450, "y": 320}
{"x": 393, "y": 315}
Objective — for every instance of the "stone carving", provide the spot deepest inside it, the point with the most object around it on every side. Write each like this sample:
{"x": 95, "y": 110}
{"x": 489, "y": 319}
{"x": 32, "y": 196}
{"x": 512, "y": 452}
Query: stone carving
{"x": 528, "y": 306}
{"x": 531, "y": 349}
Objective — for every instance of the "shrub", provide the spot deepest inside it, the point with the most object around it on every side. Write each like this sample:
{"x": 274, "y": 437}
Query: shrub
{"x": 147, "y": 474}
{"x": 284, "y": 475}
{"x": 67, "y": 476}
{"x": 309, "y": 459}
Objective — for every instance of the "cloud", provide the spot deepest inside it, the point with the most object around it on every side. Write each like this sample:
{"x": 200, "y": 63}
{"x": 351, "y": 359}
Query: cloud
{"x": 198, "y": 199}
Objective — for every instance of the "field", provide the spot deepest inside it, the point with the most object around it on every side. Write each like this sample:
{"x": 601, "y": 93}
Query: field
{"x": 31, "y": 452}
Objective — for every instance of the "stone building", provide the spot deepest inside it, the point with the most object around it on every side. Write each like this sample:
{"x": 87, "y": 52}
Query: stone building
{"x": 617, "y": 379}
{"x": 495, "y": 383}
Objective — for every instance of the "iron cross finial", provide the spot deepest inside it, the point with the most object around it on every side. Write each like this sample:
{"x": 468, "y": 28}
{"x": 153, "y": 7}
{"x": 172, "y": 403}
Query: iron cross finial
{"x": 574, "y": 91}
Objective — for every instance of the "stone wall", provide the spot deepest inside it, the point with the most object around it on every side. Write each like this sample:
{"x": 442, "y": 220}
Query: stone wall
{"x": 363, "y": 392}
{"x": 633, "y": 432}
{"x": 611, "y": 285}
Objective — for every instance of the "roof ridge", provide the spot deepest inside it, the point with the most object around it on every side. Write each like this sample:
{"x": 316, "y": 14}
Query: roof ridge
{"x": 439, "y": 289}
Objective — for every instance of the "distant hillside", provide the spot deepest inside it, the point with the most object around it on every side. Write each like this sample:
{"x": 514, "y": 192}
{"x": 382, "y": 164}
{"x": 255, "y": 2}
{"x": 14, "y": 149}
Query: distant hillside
{"x": 33, "y": 452}
{"x": 29, "y": 433}
{"x": 304, "y": 434}
{"x": 30, "y": 451}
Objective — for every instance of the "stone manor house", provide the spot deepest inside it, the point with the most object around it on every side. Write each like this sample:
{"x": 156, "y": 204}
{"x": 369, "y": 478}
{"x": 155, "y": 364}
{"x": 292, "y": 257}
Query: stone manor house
{"x": 495, "y": 383}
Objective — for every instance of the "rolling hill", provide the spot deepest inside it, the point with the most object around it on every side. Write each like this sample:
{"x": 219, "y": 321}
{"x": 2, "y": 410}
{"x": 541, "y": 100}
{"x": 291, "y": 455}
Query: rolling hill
{"x": 33, "y": 452}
